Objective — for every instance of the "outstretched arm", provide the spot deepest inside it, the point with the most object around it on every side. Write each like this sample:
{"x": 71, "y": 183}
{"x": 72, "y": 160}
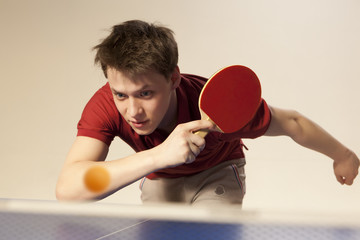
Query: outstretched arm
{"x": 310, "y": 135}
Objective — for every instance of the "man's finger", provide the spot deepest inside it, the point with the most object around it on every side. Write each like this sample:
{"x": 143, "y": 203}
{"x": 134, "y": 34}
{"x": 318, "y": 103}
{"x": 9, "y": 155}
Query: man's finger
{"x": 340, "y": 179}
{"x": 349, "y": 181}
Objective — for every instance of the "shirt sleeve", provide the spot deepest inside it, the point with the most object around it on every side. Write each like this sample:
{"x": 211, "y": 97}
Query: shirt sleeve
{"x": 256, "y": 127}
{"x": 100, "y": 118}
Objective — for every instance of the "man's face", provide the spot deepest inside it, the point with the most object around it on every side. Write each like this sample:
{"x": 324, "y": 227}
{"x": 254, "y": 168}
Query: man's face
{"x": 146, "y": 101}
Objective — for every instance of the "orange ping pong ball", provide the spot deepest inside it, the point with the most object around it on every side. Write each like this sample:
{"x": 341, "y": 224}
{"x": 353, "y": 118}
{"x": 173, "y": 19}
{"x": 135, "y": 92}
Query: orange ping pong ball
{"x": 97, "y": 179}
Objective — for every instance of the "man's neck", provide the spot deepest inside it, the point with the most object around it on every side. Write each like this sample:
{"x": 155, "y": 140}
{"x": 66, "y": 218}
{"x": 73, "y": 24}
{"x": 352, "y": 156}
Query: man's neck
{"x": 170, "y": 120}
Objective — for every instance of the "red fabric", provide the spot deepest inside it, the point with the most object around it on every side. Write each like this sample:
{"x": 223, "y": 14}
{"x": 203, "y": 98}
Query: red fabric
{"x": 101, "y": 120}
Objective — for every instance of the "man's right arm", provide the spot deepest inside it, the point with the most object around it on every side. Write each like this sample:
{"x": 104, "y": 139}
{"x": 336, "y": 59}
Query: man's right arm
{"x": 181, "y": 147}
{"x": 87, "y": 152}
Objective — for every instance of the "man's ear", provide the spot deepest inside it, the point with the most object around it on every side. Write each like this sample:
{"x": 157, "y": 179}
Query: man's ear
{"x": 175, "y": 78}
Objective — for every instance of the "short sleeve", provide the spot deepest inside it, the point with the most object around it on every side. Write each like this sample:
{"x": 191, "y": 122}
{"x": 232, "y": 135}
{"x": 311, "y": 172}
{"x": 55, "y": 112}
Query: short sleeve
{"x": 100, "y": 118}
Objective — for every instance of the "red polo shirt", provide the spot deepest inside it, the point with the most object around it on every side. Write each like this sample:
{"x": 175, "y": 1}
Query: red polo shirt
{"x": 101, "y": 120}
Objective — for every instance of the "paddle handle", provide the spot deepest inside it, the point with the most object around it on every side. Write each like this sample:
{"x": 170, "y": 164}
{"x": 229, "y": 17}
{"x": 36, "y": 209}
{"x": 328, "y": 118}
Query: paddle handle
{"x": 202, "y": 133}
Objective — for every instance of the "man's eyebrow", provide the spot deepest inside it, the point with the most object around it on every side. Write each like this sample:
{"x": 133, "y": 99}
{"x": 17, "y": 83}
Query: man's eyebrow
{"x": 114, "y": 90}
{"x": 139, "y": 90}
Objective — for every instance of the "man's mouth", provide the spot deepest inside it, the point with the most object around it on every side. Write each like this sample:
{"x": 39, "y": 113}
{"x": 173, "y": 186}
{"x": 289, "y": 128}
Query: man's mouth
{"x": 138, "y": 124}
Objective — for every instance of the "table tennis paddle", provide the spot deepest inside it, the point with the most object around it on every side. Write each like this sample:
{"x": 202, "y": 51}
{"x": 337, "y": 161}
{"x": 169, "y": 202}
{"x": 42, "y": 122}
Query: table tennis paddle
{"x": 230, "y": 98}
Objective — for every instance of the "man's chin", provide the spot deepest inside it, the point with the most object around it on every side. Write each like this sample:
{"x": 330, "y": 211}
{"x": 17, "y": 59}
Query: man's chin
{"x": 143, "y": 132}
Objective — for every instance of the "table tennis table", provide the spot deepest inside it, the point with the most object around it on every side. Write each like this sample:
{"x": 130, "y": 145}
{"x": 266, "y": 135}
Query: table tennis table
{"x": 24, "y": 219}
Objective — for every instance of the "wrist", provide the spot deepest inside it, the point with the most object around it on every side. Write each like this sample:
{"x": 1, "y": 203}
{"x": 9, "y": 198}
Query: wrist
{"x": 341, "y": 153}
{"x": 154, "y": 157}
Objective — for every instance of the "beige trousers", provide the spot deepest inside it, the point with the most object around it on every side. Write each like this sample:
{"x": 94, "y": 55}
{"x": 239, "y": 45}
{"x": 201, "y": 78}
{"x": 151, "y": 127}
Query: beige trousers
{"x": 222, "y": 184}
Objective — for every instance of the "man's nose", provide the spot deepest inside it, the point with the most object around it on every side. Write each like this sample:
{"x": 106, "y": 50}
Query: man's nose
{"x": 134, "y": 108}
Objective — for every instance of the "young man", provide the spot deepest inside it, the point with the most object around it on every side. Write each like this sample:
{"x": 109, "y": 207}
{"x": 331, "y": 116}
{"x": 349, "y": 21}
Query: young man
{"x": 153, "y": 108}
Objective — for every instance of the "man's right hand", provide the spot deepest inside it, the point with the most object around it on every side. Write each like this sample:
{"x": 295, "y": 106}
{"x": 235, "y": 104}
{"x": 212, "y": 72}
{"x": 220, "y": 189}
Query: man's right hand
{"x": 183, "y": 145}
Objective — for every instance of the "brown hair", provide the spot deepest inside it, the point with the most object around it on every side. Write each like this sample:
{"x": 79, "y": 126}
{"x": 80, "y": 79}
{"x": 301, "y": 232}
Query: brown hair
{"x": 136, "y": 47}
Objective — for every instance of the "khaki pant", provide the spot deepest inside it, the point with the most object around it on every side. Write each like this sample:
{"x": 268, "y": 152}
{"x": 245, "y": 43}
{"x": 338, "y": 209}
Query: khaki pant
{"x": 222, "y": 184}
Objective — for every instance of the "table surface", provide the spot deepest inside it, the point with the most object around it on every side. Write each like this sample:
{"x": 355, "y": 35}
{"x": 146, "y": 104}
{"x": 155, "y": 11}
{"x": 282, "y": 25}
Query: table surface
{"x": 21, "y": 219}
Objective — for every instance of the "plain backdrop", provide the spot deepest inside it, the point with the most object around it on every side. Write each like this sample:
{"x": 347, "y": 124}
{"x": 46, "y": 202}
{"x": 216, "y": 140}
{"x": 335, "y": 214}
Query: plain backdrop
{"x": 306, "y": 54}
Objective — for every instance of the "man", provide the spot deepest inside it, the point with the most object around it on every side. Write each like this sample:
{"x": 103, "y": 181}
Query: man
{"x": 150, "y": 105}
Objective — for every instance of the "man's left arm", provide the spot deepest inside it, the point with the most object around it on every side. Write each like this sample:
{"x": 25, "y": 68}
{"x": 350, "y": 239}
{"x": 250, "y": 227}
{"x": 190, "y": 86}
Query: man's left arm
{"x": 310, "y": 135}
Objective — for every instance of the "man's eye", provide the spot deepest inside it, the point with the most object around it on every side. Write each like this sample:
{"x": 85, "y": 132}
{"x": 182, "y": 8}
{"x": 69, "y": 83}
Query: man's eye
{"x": 119, "y": 95}
{"x": 146, "y": 94}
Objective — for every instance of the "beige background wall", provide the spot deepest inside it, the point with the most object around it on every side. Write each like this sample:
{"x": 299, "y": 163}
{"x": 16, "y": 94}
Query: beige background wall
{"x": 306, "y": 54}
